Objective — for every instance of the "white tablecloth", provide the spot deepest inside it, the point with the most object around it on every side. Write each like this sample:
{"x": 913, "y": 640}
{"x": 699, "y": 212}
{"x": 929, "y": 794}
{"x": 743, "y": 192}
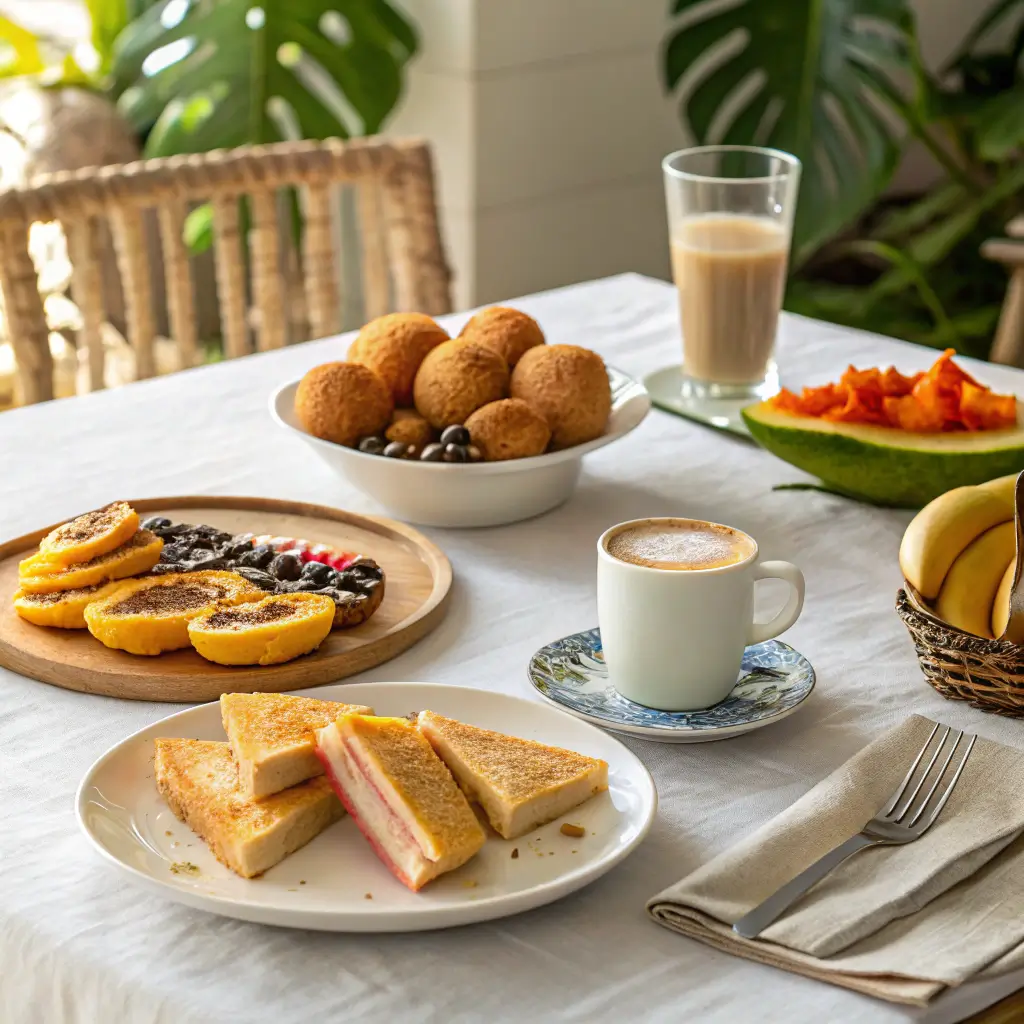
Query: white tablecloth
{"x": 78, "y": 944}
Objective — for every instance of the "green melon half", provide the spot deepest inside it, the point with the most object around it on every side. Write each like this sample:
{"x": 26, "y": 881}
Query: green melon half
{"x": 884, "y": 465}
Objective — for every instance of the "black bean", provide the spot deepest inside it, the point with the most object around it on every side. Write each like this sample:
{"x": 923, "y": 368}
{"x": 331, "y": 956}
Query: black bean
{"x": 174, "y": 552}
{"x": 322, "y": 574}
{"x": 257, "y": 577}
{"x": 296, "y": 587}
{"x": 259, "y": 558}
{"x": 395, "y": 450}
{"x": 285, "y": 566}
{"x": 455, "y": 434}
{"x": 455, "y": 453}
{"x": 172, "y": 530}
{"x": 347, "y": 580}
{"x": 373, "y": 445}
{"x": 432, "y": 453}
{"x": 155, "y": 523}
{"x": 211, "y": 562}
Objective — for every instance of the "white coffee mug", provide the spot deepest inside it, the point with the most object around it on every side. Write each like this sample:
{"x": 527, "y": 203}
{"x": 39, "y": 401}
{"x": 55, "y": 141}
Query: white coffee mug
{"x": 673, "y": 638}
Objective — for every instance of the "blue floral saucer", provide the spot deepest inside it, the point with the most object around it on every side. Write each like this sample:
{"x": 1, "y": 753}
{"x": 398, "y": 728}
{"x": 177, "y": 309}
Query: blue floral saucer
{"x": 774, "y": 681}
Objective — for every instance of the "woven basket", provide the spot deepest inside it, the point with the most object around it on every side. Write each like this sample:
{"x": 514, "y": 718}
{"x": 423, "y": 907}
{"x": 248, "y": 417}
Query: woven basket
{"x": 988, "y": 674}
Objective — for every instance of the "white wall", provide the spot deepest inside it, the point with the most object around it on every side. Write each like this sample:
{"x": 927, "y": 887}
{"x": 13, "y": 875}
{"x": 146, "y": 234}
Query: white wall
{"x": 549, "y": 121}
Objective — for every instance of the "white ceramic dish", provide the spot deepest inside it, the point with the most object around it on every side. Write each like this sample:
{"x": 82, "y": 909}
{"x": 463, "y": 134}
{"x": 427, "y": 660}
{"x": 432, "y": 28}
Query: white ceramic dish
{"x": 324, "y": 885}
{"x": 484, "y": 494}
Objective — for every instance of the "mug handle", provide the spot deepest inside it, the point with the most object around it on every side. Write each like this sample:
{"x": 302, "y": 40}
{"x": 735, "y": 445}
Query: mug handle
{"x": 761, "y": 631}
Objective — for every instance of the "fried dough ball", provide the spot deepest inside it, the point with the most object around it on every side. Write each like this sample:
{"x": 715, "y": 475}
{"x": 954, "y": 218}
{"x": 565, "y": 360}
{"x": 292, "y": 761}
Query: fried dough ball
{"x": 393, "y": 346}
{"x": 409, "y": 427}
{"x": 457, "y": 378}
{"x": 343, "y": 402}
{"x": 508, "y": 429}
{"x": 507, "y": 331}
{"x": 568, "y": 386}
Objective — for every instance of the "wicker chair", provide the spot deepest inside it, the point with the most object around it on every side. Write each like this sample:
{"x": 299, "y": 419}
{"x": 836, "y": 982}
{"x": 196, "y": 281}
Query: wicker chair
{"x": 402, "y": 259}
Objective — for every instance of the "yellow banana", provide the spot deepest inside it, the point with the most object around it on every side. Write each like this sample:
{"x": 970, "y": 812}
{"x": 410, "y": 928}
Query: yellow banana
{"x": 1001, "y": 605}
{"x": 1004, "y": 486}
{"x": 968, "y": 592}
{"x": 943, "y": 529}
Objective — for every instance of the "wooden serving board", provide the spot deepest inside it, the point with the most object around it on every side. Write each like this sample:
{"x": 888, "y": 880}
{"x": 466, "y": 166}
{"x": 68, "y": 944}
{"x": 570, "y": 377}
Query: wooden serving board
{"x": 418, "y": 577}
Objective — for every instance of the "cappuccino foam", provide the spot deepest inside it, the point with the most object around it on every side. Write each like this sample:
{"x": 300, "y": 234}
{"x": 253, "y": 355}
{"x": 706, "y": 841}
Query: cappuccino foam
{"x": 684, "y": 544}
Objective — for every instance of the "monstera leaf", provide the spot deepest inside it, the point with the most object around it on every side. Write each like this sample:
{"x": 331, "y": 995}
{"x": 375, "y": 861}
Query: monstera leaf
{"x": 811, "y": 77}
{"x": 203, "y": 74}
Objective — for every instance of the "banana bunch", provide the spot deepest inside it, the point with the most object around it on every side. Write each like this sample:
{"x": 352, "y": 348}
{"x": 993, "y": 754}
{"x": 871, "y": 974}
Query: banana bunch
{"x": 959, "y": 552}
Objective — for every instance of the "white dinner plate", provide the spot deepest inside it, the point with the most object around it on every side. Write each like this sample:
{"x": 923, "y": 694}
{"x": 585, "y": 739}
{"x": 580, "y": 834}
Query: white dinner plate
{"x": 336, "y": 883}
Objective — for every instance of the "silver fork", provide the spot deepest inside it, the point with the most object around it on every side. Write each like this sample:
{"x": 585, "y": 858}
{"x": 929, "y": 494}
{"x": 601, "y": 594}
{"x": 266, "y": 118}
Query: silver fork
{"x": 900, "y": 821}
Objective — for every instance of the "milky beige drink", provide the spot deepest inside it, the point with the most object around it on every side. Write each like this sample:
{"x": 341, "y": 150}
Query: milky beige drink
{"x": 684, "y": 544}
{"x": 730, "y": 270}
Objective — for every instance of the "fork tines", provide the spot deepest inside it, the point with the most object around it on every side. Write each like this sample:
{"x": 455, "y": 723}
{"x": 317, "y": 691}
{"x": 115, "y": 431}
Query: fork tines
{"x": 949, "y": 754}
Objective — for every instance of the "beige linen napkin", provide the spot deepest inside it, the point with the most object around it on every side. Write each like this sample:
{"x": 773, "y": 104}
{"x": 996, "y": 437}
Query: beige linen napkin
{"x": 898, "y": 922}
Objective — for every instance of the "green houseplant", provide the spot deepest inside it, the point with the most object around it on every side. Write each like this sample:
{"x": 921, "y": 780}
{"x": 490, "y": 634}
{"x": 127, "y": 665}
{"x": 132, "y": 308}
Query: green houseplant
{"x": 841, "y": 84}
{"x": 194, "y": 75}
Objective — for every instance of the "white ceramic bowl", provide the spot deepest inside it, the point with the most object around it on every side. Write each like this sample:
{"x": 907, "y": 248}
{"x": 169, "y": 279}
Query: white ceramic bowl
{"x": 481, "y": 494}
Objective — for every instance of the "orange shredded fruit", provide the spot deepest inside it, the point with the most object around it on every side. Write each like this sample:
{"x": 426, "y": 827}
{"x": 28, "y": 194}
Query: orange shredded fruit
{"x": 942, "y": 399}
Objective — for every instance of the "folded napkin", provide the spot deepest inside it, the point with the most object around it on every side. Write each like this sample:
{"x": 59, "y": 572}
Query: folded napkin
{"x": 897, "y": 922}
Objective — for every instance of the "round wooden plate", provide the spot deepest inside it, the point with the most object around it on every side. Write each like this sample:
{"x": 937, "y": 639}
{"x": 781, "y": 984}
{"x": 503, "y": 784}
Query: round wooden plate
{"x": 418, "y": 578}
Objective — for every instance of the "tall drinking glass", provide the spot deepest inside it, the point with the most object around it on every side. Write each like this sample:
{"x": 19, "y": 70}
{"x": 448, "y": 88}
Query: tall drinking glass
{"x": 730, "y": 222}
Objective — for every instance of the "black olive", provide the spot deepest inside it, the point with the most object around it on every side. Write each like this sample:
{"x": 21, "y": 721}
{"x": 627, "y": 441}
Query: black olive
{"x": 285, "y": 566}
{"x": 373, "y": 445}
{"x": 455, "y": 453}
{"x": 432, "y": 453}
{"x": 455, "y": 434}
{"x": 320, "y": 573}
{"x": 258, "y": 578}
{"x": 155, "y": 523}
{"x": 395, "y": 450}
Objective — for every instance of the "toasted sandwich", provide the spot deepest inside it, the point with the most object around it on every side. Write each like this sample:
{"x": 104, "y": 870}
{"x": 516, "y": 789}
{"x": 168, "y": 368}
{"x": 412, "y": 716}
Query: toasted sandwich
{"x": 401, "y": 796}
{"x": 272, "y": 736}
{"x": 199, "y": 781}
{"x": 520, "y": 784}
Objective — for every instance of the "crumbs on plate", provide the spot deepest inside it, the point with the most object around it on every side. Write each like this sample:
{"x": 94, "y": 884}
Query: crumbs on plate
{"x": 184, "y": 867}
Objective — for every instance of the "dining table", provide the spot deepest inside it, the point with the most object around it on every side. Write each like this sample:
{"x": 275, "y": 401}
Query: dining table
{"x": 80, "y": 944}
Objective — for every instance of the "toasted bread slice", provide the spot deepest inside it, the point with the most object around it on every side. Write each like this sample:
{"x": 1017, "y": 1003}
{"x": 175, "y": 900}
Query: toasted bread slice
{"x": 138, "y": 554}
{"x": 272, "y": 736}
{"x": 94, "y": 533}
{"x": 61, "y": 609}
{"x": 199, "y": 780}
{"x": 401, "y": 796}
{"x": 520, "y": 784}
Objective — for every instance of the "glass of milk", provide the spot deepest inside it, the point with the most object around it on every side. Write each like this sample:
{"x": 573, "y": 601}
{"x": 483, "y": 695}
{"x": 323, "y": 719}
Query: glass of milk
{"x": 730, "y": 221}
